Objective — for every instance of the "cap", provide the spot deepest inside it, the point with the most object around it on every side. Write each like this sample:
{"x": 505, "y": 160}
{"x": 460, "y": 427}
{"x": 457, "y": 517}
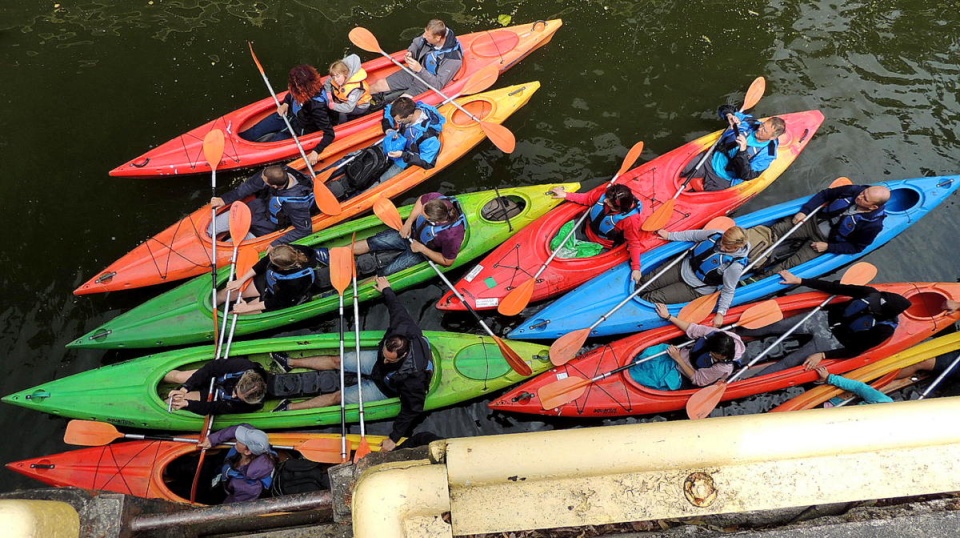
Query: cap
{"x": 255, "y": 439}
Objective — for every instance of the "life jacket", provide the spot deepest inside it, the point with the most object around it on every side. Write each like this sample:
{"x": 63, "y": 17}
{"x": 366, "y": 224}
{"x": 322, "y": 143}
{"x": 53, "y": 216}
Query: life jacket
{"x": 843, "y": 225}
{"x": 319, "y": 98}
{"x": 273, "y": 276}
{"x": 432, "y": 59}
{"x": 754, "y": 147}
{"x": 699, "y": 356}
{"x": 410, "y": 367}
{"x": 228, "y": 472}
{"x": 275, "y": 205}
{"x": 414, "y": 134}
{"x": 224, "y": 385}
{"x": 357, "y": 80}
{"x": 426, "y": 232}
{"x": 605, "y": 224}
{"x": 708, "y": 263}
{"x": 858, "y": 318}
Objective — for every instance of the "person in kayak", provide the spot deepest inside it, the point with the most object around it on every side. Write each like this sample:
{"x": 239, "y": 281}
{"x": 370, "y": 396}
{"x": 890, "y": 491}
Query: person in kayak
{"x": 307, "y": 104}
{"x": 851, "y": 219}
{"x": 347, "y": 90}
{"x": 239, "y": 386}
{"x": 287, "y": 276}
{"x": 436, "y": 57}
{"x": 839, "y": 331}
{"x": 248, "y": 469}
{"x": 614, "y": 219}
{"x": 411, "y": 137}
{"x": 865, "y": 392}
{"x": 745, "y": 150}
{"x": 283, "y": 197}
{"x": 712, "y": 354}
{"x": 401, "y": 366}
{"x": 717, "y": 260}
{"x": 437, "y": 227}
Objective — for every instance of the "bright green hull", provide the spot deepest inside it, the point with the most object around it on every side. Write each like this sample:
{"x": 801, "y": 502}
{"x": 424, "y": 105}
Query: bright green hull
{"x": 130, "y": 393}
{"x": 183, "y": 316}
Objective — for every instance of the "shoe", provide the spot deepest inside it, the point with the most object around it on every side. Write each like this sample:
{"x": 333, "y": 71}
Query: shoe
{"x": 282, "y": 360}
{"x": 282, "y": 406}
{"x": 323, "y": 255}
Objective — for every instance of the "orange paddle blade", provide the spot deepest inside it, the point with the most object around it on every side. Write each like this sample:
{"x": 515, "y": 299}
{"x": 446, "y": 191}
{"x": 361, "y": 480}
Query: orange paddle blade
{"x": 719, "y": 223}
{"x": 760, "y": 315}
{"x": 246, "y": 259}
{"x": 362, "y": 450}
{"x": 754, "y": 93}
{"x": 567, "y": 346}
{"x": 562, "y": 392}
{"x": 341, "y": 268}
{"x": 631, "y": 158}
{"x": 239, "y": 222}
{"x": 481, "y": 80}
{"x": 364, "y": 39}
{"x": 859, "y": 274}
{"x": 384, "y": 209}
{"x": 500, "y": 136}
{"x": 213, "y": 147}
{"x": 840, "y": 182}
{"x": 513, "y": 359}
{"x": 660, "y": 216}
{"x": 705, "y": 400}
{"x": 255, "y": 59}
{"x": 320, "y": 450}
{"x": 326, "y": 201}
{"x": 90, "y": 433}
{"x": 518, "y": 298}
{"x": 699, "y": 308}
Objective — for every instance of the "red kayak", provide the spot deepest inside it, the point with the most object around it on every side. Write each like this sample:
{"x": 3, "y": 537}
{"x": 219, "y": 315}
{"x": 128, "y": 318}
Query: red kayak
{"x": 620, "y": 395}
{"x": 503, "y": 47}
{"x": 654, "y": 182}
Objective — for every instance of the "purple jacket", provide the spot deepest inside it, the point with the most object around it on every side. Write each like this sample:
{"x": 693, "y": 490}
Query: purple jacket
{"x": 247, "y": 482}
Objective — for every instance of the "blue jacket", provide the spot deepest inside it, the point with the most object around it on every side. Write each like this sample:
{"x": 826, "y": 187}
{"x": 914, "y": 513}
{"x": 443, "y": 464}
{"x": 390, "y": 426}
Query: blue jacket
{"x": 860, "y": 230}
{"x": 738, "y": 166}
{"x": 421, "y": 140}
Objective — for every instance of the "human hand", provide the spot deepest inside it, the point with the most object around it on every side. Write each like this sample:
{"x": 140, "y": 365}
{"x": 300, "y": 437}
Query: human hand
{"x": 387, "y": 445}
{"x": 813, "y": 361}
{"x": 216, "y": 202}
{"x": 951, "y": 306}
{"x": 662, "y": 311}
{"x": 718, "y": 320}
{"x": 413, "y": 64}
{"x": 381, "y": 283}
{"x": 733, "y": 120}
{"x": 636, "y": 275}
{"x": 313, "y": 157}
{"x": 179, "y": 404}
{"x": 665, "y": 235}
{"x": 205, "y": 444}
{"x": 406, "y": 229}
{"x": 788, "y": 278}
{"x": 823, "y": 373}
{"x": 798, "y": 218}
{"x": 819, "y": 246}
{"x": 177, "y": 394}
{"x": 674, "y": 353}
{"x": 742, "y": 142}
{"x": 558, "y": 192}
{"x": 418, "y": 247}
{"x": 282, "y": 109}
{"x": 233, "y": 285}
{"x": 395, "y": 154}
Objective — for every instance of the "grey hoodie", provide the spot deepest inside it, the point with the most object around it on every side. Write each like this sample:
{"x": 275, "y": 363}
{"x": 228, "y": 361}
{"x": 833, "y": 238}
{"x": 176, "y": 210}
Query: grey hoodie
{"x": 353, "y": 64}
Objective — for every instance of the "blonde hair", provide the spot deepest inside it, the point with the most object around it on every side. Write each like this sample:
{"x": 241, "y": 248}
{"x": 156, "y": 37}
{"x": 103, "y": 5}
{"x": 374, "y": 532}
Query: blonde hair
{"x": 285, "y": 257}
{"x": 339, "y": 67}
{"x": 251, "y": 388}
{"x": 734, "y": 235}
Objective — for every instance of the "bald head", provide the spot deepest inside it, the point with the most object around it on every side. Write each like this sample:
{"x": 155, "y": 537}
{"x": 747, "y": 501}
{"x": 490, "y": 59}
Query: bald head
{"x": 873, "y": 197}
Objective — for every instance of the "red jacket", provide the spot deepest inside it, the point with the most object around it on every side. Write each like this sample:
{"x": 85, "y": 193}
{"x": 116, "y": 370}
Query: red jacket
{"x": 629, "y": 227}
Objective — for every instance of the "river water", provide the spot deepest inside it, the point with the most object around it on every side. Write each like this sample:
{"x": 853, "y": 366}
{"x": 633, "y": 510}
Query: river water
{"x": 89, "y": 85}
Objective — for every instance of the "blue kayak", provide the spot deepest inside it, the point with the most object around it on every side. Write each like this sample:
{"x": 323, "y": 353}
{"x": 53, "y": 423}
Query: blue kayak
{"x": 910, "y": 200}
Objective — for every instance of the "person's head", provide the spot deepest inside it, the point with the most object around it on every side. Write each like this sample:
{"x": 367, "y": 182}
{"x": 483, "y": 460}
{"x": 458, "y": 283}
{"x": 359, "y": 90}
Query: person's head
{"x": 251, "y": 440}
{"x": 251, "y": 388}
{"x": 403, "y": 110}
{"x": 619, "y": 198}
{"x": 274, "y": 176}
{"x": 285, "y": 257}
{"x": 720, "y": 346}
{"x": 440, "y": 211}
{"x": 395, "y": 348}
{"x": 435, "y": 32}
{"x": 339, "y": 72}
{"x": 771, "y": 128}
{"x": 872, "y": 198}
{"x": 733, "y": 239}
{"x": 304, "y": 82}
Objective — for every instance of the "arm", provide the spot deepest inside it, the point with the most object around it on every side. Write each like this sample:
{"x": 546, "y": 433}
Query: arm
{"x": 414, "y": 214}
{"x": 633, "y": 234}
{"x": 250, "y": 187}
{"x": 302, "y": 221}
{"x": 731, "y": 277}
{"x": 411, "y": 409}
{"x": 836, "y": 288}
{"x": 746, "y": 169}
{"x": 584, "y": 198}
{"x": 864, "y": 391}
{"x": 426, "y": 156}
{"x": 320, "y": 118}
{"x": 681, "y": 324}
{"x": 224, "y": 435}
{"x": 400, "y": 320}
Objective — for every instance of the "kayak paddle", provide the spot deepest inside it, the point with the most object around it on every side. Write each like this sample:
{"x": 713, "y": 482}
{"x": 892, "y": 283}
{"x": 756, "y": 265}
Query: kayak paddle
{"x": 341, "y": 271}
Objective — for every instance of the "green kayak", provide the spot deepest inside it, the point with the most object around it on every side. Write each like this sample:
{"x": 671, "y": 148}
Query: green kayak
{"x": 131, "y": 393}
{"x": 183, "y": 316}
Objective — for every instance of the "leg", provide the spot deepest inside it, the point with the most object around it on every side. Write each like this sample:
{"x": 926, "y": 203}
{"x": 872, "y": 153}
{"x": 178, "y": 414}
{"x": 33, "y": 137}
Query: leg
{"x": 267, "y": 126}
{"x": 678, "y": 292}
{"x": 380, "y": 86}
{"x": 390, "y": 173}
{"x": 368, "y": 358}
{"x": 672, "y": 276}
{"x": 795, "y": 358}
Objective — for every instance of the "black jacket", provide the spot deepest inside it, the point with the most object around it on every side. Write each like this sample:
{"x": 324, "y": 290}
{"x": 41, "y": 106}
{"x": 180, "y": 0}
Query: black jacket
{"x": 292, "y": 213}
{"x": 200, "y": 381}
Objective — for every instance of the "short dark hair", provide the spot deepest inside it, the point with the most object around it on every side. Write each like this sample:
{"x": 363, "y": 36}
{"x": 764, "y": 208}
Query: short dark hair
{"x": 722, "y": 344}
{"x": 398, "y": 344}
{"x": 402, "y": 107}
{"x": 275, "y": 175}
{"x": 621, "y": 197}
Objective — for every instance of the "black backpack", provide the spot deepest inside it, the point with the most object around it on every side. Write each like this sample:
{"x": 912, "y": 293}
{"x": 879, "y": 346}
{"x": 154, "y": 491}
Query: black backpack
{"x": 298, "y": 475}
{"x": 360, "y": 173}
{"x": 308, "y": 383}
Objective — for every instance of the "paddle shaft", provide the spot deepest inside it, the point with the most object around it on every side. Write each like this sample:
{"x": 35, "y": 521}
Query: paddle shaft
{"x": 343, "y": 402}
{"x": 940, "y": 378}
{"x": 207, "y": 426}
{"x": 226, "y": 301}
{"x": 356, "y": 331}
{"x": 781, "y": 239}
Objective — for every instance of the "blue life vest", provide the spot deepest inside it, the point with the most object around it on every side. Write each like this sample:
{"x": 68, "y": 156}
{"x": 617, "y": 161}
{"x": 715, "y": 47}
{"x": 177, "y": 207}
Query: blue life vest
{"x": 320, "y": 98}
{"x": 605, "y": 225}
{"x": 276, "y": 204}
{"x": 431, "y": 61}
{"x": 859, "y": 318}
{"x": 843, "y": 225}
{"x": 755, "y": 147}
{"x": 414, "y": 134}
{"x": 221, "y": 392}
{"x": 699, "y": 356}
{"x": 426, "y": 232}
{"x": 228, "y": 472}
{"x": 708, "y": 263}
{"x": 273, "y": 276}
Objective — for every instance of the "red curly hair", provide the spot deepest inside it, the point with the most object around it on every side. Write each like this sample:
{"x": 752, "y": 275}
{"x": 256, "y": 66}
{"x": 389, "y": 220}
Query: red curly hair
{"x": 304, "y": 82}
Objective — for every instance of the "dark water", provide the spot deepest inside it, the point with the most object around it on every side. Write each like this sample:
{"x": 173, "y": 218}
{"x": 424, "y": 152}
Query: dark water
{"x": 88, "y": 85}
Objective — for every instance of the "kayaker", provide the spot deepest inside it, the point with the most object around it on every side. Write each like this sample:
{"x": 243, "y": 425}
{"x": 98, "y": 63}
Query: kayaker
{"x": 401, "y": 366}
{"x": 248, "y": 469}
{"x": 839, "y": 331}
{"x": 717, "y": 261}
{"x": 436, "y": 57}
{"x": 239, "y": 387}
{"x": 437, "y": 226}
{"x": 308, "y": 107}
{"x": 745, "y": 150}
{"x": 712, "y": 354}
{"x": 282, "y": 197}
{"x": 287, "y": 276}
{"x": 865, "y": 392}
{"x": 851, "y": 220}
{"x": 614, "y": 219}
{"x": 347, "y": 90}
{"x": 411, "y": 137}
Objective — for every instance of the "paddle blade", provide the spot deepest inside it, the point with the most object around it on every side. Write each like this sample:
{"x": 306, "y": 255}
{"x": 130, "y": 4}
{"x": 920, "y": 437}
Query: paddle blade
{"x": 255, "y": 59}
{"x": 699, "y": 308}
{"x": 364, "y": 39}
{"x": 562, "y": 392}
{"x": 719, "y": 223}
{"x": 239, "y": 222}
{"x": 631, "y": 158}
{"x": 341, "y": 268}
{"x": 481, "y": 80}
{"x": 513, "y": 359}
{"x": 326, "y": 201}
{"x": 841, "y": 182}
{"x": 518, "y": 298}
{"x": 754, "y": 93}
{"x": 760, "y": 315}
{"x": 90, "y": 433}
{"x": 859, "y": 274}
{"x": 566, "y": 347}
{"x": 213, "y": 147}
{"x": 362, "y": 450}
{"x": 660, "y": 216}
{"x": 320, "y": 450}
{"x": 384, "y": 209}
{"x": 500, "y": 136}
{"x": 705, "y": 400}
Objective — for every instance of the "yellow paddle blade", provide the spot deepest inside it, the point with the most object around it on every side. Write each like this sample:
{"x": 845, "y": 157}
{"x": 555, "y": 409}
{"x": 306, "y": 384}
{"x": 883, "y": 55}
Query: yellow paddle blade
{"x": 562, "y": 392}
{"x": 699, "y": 308}
{"x": 239, "y": 222}
{"x": 705, "y": 400}
{"x": 213, "y": 147}
{"x": 364, "y": 39}
{"x": 567, "y": 346}
{"x": 341, "y": 268}
{"x": 518, "y": 298}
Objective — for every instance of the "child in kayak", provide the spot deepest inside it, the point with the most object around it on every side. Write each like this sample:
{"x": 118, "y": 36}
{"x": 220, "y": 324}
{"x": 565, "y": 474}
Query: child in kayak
{"x": 347, "y": 90}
